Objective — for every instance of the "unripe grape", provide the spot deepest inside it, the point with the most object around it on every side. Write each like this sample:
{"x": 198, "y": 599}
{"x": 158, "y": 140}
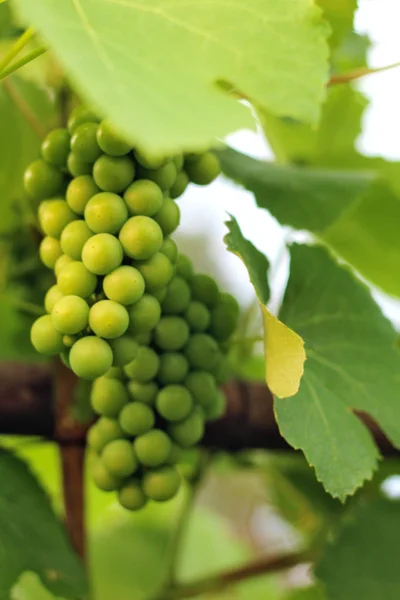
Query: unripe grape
{"x": 74, "y": 237}
{"x": 102, "y": 477}
{"x": 131, "y": 496}
{"x": 204, "y": 289}
{"x": 52, "y": 296}
{"x": 204, "y": 169}
{"x": 114, "y": 372}
{"x": 160, "y": 294}
{"x": 108, "y": 319}
{"x": 69, "y": 340}
{"x": 178, "y": 161}
{"x": 144, "y": 314}
{"x": 175, "y": 455}
{"x": 84, "y": 142}
{"x": 54, "y": 216}
{"x": 110, "y": 141}
{"x": 223, "y": 322}
{"x": 49, "y": 251}
{"x": 109, "y": 430}
{"x": 170, "y": 249}
{"x": 161, "y": 484}
{"x": 61, "y": 262}
{"x": 174, "y": 402}
{"x": 108, "y": 396}
{"x": 189, "y": 431}
{"x": 136, "y": 418}
{"x": 141, "y": 237}
{"x": 42, "y": 180}
{"x": 149, "y": 162}
{"x": 202, "y": 386}
{"x": 70, "y": 314}
{"x": 119, "y": 458}
{"x": 156, "y": 271}
{"x": 144, "y": 367}
{"x": 55, "y": 147}
{"x": 90, "y": 357}
{"x": 177, "y": 298}
{"x": 168, "y": 217}
{"x": 171, "y": 333}
{"x": 80, "y": 115}
{"x": 164, "y": 176}
{"x": 184, "y": 267}
{"x": 79, "y": 192}
{"x": 180, "y": 185}
{"x": 106, "y": 213}
{"x": 64, "y": 356}
{"x": 78, "y": 167}
{"x": 217, "y": 408}
{"x": 152, "y": 448}
{"x": 124, "y": 350}
{"x": 173, "y": 368}
{"x": 94, "y": 439}
{"x": 197, "y": 316}
{"x": 113, "y": 173}
{"x": 124, "y": 285}
{"x": 143, "y": 197}
{"x": 45, "y": 338}
{"x": 229, "y": 301}
{"x": 143, "y": 392}
{"x": 102, "y": 253}
{"x": 203, "y": 352}
{"x": 75, "y": 279}
{"x": 144, "y": 338}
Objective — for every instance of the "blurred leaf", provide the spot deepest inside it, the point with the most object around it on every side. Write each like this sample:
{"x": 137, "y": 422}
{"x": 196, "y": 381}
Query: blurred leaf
{"x": 32, "y": 537}
{"x": 308, "y": 593}
{"x": 351, "y": 365}
{"x": 29, "y": 587}
{"x": 362, "y": 562}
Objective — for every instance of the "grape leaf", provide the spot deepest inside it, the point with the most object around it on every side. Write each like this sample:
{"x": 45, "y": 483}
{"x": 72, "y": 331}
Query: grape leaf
{"x": 153, "y": 66}
{"x": 32, "y": 538}
{"x": 351, "y": 365}
{"x": 363, "y": 561}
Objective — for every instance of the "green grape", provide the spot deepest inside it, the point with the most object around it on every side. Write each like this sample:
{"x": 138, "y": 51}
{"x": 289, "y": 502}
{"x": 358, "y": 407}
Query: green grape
{"x": 80, "y": 115}
{"x": 108, "y": 431}
{"x": 143, "y": 197}
{"x": 70, "y": 314}
{"x": 170, "y": 249}
{"x": 78, "y": 167}
{"x": 52, "y": 296}
{"x": 197, "y": 316}
{"x": 144, "y": 367}
{"x": 61, "y": 262}
{"x": 180, "y": 185}
{"x": 45, "y": 338}
{"x": 141, "y": 237}
{"x": 152, "y": 448}
{"x": 230, "y": 302}
{"x": 90, "y": 357}
{"x": 171, "y": 333}
{"x": 204, "y": 169}
{"x": 119, "y": 458}
{"x": 79, "y": 192}
{"x": 216, "y": 409}
{"x": 202, "y": 386}
{"x": 203, "y": 352}
{"x": 69, "y": 340}
{"x": 54, "y": 216}
{"x": 204, "y": 289}
{"x": 102, "y": 253}
{"x": 42, "y": 180}
{"x": 178, "y": 161}
{"x": 108, "y": 319}
{"x": 177, "y": 298}
{"x": 55, "y": 147}
{"x": 108, "y": 396}
{"x": 106, "y": 213}
{"x": 113, "y": 173}
{"x": 49, "y": 251}
{"x": 174, "y": 402}
{"x": 156, "y": 271}
{"x": 175, "y": 454}
{"x": 84, "y": 142}
{"x": 124, "y": 350}
{"x": 223, "y": 321}
{"x": 161, "y": 484}
{"x": 136, "y": 418}
{"x": 131, "y": 496}
{"x": 75, "y": 279}
{"x": 164, "y": 176}
{"x": 94, "y": 439}
{"x": 144, "y": 338}
{"x": 124, "y": 285}
{"x": 110, "y": 141}
{"x": 168, "y": 217}
{"x": 149, "y": 162}
{"x": 102, "y": 477}
{"x": 115, "y": 372}
{"x": 74, "y": 237}
{"x": 64, "y": 355}
{"x": 184, "y": 267}
{"x": 173, "y": 368}
{"x": 143, "y": 392}
{"x": 189, "y": 431}
{"x": 144, "y": 314}
{"x": 160, "y": 294}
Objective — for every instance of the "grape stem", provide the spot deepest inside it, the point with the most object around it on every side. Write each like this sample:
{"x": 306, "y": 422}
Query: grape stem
{"x": 24, "y": 108}
{"x": 17, "y": 47}
{"x": 22, "y": 61}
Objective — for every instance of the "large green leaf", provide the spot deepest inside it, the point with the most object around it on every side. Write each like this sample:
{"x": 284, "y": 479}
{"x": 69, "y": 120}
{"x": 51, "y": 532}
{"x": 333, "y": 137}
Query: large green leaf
{"x": 153, "y": 65}
{"x": 363, "y": 562}
{"x": 351, "y": 365}
{"x": 32, "y": 538}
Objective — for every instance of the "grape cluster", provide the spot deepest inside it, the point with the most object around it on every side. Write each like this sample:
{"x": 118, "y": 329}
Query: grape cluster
{"x": 126, "y": 309}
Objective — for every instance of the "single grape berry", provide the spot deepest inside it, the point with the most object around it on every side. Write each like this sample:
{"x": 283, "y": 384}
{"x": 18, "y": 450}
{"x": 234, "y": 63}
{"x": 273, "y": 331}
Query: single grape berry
{"x": 174, "y": 402}
{"x": 110, "y": 141}
{"x": 79, "y": 192}
{"x": 84, "y": 142}
{"x": 42, "y": 180}
{"x": 55, "y": 147}
{"x": 69, "y": 340}
{"x": 160, "y": 294}
{"x": 202, "y": 386}
{"x": 180, "y": 185}
{"x": 108, "y": 319}
{"x": 161, "y": 484}
{"x": 124, "y": 285}
{"x": 107, "y": 430}
{"x": 113, "y": 173}
{"x": 143, "y": 392}
{"x": 197, "y": 316}
{"x": 102, "y": 253}
{"x": 45, "y": 338}
{"x": 61, "y": 262}
{"x": 124, "y": 350}
{"x": 184, "y": 267}
{"x": 144, "y": 314}
{"x": 177, "y": 297}
{"x": 217, "y": 408}
{"x": 78, "y": 167}
{"x": 90, "y": 357}
{"x": 108, "y": 396}
{"x": 52, "y": 296}
{"x": 74, "y": 237}
{"x": 102, "y": 477}
{"x": 106, "y": 213}
{"x": 178, "y": 161}
{"x": 144, "y": 366}
{"x": 136, "y": 418}
{"x": 144, "y": 338}
{"x": 171, "y": 333}
{"x": 203, "y": 352}
{"x": 49, "y": 251}
{"x": 164, "y": 176}
{"x": 168, "y": 217}
{"x": 204, "y": 169}
{"x": 143, "y": 197}
{"x": 190, "y": 430}
{"x": 204, "y": 289}
{"x": 157, "y": 271}
{"x": 147, "y": 161}
{"x": 54, "y": 215}
{"x": 141, "y": 237}
{"x": 170, "y": 249}
{"x": 70, "y": 314}
{"x": 223, "y": 321}
{"x": 131, "y": 496}
{"x": 80, "y": 115}
{"x": 75, "y": 279}
{"x": 174, "y": 367}
{"x": 119, "y": 458}
{"x": 152, "y": 448}
{"x": 115, "y": 372}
